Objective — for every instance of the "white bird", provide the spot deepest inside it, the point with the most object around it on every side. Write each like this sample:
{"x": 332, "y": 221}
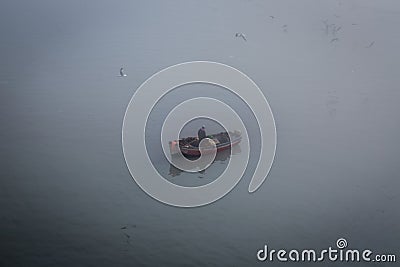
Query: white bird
{"x": 238, "y": 34}
{"x": 121, "y": 72}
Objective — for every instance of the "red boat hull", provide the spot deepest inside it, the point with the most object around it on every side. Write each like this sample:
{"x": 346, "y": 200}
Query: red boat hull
{"x": 192, "y": 151}
{"x": 196, "y": 152}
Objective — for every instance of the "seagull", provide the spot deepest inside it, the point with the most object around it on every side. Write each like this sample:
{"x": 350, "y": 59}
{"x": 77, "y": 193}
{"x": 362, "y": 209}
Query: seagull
{"x": 272, "y": 17}
{"x": 128, "y": 239}
{"x": 331, "y": 28}
{"x": 334, "y": 40}
{"x": 238, "y": 34}
{"x": 121, "y": 72}
{"x": 371, "y": 44}
{"x": 336, "y": 29}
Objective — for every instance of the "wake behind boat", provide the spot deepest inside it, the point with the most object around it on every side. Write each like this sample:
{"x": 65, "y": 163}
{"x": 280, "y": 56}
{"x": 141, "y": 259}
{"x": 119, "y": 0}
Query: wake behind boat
{"x": 189, "y": 146}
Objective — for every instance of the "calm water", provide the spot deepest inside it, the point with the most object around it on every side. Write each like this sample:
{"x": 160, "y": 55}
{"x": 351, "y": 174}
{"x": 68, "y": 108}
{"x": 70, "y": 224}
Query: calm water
{"x": 66, "y": 196}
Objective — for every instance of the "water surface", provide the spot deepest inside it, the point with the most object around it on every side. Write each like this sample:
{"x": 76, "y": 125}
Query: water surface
{"x": 66, "y": 196}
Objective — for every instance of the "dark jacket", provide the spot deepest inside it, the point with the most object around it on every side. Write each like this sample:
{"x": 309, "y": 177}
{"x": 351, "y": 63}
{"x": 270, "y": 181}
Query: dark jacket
{"x": 201, "y": 134}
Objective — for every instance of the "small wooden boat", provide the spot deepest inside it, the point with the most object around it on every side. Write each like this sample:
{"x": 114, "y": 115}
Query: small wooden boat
{"x": 189, "y": 146}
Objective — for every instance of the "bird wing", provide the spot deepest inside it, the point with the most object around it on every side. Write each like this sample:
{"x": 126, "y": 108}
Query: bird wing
{"x": 371, "y": 44}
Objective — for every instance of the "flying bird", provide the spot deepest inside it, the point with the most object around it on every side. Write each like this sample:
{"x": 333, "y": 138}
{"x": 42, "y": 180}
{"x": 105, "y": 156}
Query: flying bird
{"x": 371, "y": 44}
{"x": 336, "y": 29}
{"x": 330, "y": 28}
{"x": 238, "y": 34}
{"x": 128, "y": 239}
{"x": 121, "y": 72}
{"x": 272, "y": 17}
{"x": 334, "y": 40}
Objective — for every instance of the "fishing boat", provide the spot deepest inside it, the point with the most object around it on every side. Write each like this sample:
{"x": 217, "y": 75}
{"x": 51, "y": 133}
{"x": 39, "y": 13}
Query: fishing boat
{"x": 189, "y": 146}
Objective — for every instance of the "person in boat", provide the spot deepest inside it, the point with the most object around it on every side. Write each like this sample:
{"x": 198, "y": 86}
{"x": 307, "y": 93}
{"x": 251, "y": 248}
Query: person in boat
{"x": 201, "y": 134}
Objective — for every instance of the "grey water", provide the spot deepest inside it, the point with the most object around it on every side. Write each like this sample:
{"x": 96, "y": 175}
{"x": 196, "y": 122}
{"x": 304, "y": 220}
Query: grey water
{"x": 66, "y": 195}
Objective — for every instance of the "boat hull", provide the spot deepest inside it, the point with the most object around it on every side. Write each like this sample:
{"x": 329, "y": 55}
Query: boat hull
{"x": 192, "y": 151}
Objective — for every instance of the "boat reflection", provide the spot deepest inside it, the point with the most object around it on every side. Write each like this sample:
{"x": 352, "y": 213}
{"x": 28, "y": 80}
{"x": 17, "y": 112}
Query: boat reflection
{"x": 220, "y": 157}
